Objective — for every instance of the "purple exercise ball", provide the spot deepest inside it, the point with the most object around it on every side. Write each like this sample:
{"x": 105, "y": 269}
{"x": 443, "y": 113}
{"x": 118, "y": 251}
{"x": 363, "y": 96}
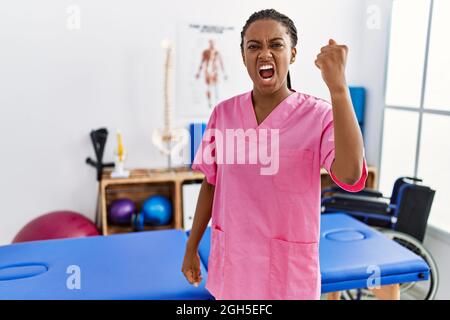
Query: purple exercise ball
{"x": 57, "y": 225}
{"x": 121, "y": 211}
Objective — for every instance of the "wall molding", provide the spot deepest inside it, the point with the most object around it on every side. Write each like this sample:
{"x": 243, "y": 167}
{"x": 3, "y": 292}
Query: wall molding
{"x": 438, "y": 233}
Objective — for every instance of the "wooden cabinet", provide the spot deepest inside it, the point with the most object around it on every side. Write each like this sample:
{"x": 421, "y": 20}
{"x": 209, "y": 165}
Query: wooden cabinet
{"x": 144, "y": 183}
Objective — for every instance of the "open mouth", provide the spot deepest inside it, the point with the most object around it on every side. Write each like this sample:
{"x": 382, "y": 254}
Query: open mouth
{"x": 266, "y": 72}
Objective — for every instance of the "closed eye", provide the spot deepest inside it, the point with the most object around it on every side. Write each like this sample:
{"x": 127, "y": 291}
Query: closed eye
{"x": 273, "y": 45}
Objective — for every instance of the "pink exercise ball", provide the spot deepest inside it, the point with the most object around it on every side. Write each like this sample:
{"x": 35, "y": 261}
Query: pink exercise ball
{"x": 57, "y": 225}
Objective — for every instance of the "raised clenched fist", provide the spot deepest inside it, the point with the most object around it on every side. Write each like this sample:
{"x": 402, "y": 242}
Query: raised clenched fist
{"x": 331, "y": 61}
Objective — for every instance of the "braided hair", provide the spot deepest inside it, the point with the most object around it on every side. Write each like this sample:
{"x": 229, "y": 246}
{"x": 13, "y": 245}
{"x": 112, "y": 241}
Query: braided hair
{"x": 272, "y": 14}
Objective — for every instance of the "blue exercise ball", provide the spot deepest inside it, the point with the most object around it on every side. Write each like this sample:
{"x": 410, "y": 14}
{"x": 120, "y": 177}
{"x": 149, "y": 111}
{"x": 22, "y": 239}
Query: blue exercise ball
{"x": 121, "y": 210}
{"x": 157, "y": 210}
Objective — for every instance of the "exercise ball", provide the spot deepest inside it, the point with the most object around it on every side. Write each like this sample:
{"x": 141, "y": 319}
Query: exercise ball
{"x": 57, "y": 225}
{"x": 121, "y": 210}
{"x": 157, "y": 210}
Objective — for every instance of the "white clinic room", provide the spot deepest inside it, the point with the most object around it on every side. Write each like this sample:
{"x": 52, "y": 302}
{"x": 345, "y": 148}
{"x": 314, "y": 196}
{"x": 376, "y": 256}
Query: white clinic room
{"x": 114, "y": 184}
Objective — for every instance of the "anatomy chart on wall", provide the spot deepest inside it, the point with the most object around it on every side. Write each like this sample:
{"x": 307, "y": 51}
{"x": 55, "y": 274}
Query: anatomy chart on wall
{"x": 207, "y": 57}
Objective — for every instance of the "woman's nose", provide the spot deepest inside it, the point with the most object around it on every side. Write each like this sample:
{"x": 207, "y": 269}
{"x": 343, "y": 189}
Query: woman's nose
{"x": 266, "y": 53}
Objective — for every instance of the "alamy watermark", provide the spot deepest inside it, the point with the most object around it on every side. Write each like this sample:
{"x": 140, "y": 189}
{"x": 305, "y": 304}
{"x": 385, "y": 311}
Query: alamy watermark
{"x": 239, "y": 146}
{"x": 73, "y": 21}
{"x": 373, "y": 21}
{"x": 73, "y": 281}
{"x": 374, "y": 280}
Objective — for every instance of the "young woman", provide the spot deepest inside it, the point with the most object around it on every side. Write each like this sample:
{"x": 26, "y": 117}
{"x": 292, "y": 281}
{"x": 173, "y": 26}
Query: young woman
{"x": 266, "y": 225}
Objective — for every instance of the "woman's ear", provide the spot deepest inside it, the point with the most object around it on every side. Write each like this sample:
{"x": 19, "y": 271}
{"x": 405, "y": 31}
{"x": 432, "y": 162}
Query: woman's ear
{"x": 243, "y": 59}
{"x": 293, "y": 54}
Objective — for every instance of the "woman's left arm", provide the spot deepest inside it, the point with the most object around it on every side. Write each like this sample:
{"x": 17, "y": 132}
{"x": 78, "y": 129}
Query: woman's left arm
{"x": 349, "y": 146}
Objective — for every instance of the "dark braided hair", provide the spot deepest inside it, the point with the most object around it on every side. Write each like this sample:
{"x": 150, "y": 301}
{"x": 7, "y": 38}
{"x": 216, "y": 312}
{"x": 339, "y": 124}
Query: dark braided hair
{"x": 272, "y": 14}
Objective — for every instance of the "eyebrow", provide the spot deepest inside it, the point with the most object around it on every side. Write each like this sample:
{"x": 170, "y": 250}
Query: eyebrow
{"x": 271, "y": 40}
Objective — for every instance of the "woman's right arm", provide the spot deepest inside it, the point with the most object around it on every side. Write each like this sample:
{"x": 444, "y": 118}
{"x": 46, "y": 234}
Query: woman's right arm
{"x": 191, "y": 262}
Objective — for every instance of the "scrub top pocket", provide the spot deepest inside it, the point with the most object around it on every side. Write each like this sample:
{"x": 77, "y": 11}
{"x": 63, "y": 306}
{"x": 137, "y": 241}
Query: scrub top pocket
{"x": 217, "y": 254}
{"x": 293, "y": 269}
{"x": 295, "y": 171}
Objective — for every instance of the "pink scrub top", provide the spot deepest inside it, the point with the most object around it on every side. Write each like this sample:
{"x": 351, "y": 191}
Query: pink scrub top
{"x": 266, "y": 227}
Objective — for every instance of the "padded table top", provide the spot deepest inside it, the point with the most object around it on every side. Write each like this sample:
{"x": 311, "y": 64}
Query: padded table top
{"x": 147, "y": 265}
{"x": 143, "y": 265}
{"x": 351, "y": 252}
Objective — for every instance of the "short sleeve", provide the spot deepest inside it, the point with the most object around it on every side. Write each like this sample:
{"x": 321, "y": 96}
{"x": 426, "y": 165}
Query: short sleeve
{"x": 327, "y": 150}
{"x": 205, "y": 158}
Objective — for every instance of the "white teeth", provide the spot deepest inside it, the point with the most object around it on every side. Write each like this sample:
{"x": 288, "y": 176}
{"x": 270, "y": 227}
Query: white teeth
{"x": 265, "y": 67}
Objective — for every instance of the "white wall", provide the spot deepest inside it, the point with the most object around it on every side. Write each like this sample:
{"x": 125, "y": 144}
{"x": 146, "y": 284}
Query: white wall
{"x": 438, "y": 243}
{"x": 57, "y": 85}
{"x": 372, "y": 66}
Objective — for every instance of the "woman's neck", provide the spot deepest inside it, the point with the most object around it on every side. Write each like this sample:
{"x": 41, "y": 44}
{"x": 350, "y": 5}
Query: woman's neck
{"x": 269, "y": 101}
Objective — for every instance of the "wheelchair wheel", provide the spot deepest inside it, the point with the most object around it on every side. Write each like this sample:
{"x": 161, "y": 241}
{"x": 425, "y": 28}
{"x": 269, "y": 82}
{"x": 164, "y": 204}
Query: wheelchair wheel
{"x": 420, "y": 290}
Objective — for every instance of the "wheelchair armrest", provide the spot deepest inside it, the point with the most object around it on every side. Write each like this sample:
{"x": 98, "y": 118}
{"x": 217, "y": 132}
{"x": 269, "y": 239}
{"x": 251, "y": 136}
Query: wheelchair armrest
{"x": 365, "y": 192}
{"x": 370, "y": 193}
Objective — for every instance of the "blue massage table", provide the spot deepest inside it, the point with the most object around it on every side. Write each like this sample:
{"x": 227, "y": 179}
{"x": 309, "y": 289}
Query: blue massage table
{"x": 141, "y": 265}
{"x": 147, "y": 265}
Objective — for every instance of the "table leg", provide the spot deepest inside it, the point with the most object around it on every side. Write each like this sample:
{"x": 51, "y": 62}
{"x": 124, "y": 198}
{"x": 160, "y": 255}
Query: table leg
{"x": 334, "y": 295}
{"x": 389, "y": 292}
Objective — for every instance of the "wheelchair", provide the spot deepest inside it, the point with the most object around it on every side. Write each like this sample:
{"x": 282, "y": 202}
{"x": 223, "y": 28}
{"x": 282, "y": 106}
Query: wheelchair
{"x": 402, "y": 217}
